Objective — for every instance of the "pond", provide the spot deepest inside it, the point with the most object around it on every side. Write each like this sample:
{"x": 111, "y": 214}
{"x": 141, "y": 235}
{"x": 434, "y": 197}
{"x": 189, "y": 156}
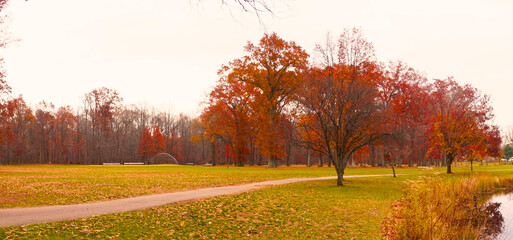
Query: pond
{"x": 506, "y": 208}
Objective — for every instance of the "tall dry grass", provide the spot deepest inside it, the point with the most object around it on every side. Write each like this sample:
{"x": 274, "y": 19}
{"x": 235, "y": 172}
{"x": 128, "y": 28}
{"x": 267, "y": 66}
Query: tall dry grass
{"x": 438, "y": 208}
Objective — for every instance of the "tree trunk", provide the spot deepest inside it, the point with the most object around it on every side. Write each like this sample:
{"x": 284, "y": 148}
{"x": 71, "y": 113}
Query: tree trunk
{"x": 410, "y": 161}
{"x": 340, "y": 179}
{"x": 273, "y": 163}
{"x": 252, "y": 159}
{"x": 288, "y": 153}
{"x": 471, "y": 167}
{"x": 372, "y": 155}
{"x": 203, "y": 155}
{"x": 449, "y": 158}
{"x": 340, "y": 164}
{"x": 214, "y": 153}
{"x": 308, "y": 156}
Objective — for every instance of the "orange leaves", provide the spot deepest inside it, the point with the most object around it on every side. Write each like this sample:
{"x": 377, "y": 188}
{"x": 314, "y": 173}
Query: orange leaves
{"x": 252, "y": 94}
{"x": 158, "y": 140}
{"x": 229, "y": 116}
{"x": 146, "y": 146}
{"x": 272, "y": 69}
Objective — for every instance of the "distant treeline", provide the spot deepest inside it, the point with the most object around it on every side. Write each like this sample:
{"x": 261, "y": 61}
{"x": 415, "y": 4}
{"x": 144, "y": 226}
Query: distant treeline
{"x": 272, "y": 106}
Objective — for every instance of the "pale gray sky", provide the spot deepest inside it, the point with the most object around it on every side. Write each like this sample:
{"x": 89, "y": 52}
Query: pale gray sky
{"x": 167, "y": 53}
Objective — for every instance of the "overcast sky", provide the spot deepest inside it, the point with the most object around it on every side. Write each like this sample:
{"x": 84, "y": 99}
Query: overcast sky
{"x": 166, "y": 53}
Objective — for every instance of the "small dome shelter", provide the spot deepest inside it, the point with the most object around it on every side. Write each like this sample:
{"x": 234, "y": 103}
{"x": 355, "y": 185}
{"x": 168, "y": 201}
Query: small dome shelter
{"x": 163, "y": 158}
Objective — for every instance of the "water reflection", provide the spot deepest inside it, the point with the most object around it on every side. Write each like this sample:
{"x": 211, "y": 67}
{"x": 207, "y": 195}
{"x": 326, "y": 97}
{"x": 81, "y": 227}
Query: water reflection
{"x": 506, "y": 208}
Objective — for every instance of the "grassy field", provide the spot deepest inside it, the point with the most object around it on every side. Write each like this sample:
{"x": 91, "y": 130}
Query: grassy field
{"x": 307, "y": 210}
{"x": 35, "y": 185}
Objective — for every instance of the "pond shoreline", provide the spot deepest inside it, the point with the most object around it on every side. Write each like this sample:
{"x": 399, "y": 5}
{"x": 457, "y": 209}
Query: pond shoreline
{"x": 505, "y": 198}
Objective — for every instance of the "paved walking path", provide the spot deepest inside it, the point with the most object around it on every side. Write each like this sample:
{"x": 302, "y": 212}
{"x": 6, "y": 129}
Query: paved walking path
{"x": 43, "y": 214}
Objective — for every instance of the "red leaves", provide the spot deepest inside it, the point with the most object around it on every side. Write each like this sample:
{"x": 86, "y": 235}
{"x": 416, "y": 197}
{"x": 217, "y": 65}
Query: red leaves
{"x": 459, "y": 123}
{"x": 146, "y": 146}
{"x": 151, "y": 142}
{"x": 339, "y": 113}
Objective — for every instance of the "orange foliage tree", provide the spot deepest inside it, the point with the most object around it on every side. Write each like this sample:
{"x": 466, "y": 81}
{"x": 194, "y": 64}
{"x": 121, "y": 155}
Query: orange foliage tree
{"x": 228, "y": 115}
{"x": 271, "y": 70}
{"x": 146, "y": 146}
{"x": 158, "y": 140}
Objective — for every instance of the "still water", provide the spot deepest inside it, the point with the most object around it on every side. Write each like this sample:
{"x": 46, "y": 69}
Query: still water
{"x": 506, "y": 208}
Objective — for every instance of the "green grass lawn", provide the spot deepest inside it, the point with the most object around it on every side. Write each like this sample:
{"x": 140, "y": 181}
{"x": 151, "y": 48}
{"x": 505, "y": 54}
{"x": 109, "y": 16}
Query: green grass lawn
{"x": 307, "y": 210}
{"x": 35, "y": 185}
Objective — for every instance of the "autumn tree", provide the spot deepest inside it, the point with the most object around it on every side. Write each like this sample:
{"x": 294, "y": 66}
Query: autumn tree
{"x": 492, "y": 141}
{"x": 44, "y": 126}
{"x": 460, "y": 115}
{"x": 487, "y": 141}
{"x": 6, "y": 111}
{"x": 146, "y": 146}
{"x": 21, "y": 123}
{"x": 338, "y": 100}
{"x": 402, "y": 93}
{"x": 273, "y": 69}
{"x": 100, "y": 107}
{"x": 6, "y": 105}
{"x": 66, "y": 133}
{"x": 228, "y": 115}
{"x": 158, "y": 140}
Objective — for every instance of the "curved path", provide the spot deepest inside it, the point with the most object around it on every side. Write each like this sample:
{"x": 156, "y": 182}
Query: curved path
{"x": 31, "y": 215}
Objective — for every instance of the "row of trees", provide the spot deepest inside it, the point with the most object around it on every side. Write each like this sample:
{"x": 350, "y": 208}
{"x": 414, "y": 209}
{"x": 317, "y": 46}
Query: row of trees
{"x": 272, "y": 104}
{"x": 104, "y": 130}
{"x": 345, "y": 106}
